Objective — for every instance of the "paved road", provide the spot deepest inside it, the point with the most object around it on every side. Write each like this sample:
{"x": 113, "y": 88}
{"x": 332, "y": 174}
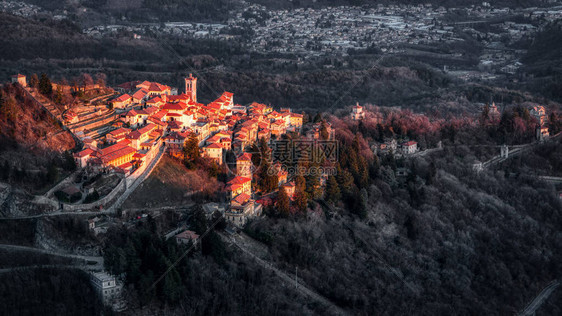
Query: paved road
{"x": 97, "y": 260}
{"x": 532, "y": 307}
{"x": 302, "y": 288}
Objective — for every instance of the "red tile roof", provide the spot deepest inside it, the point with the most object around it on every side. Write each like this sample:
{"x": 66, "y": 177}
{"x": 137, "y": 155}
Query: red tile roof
{"x": 117, "y": 154}
{"x": 174, "y": 107}
{"x": 119, "y": 131}
{"x": 237, "y": 182}
{"x": 241, "y": 198}
{"x": 214, "y": 145}
{"x": 188, "y": 234}
{"x": 139, "y": 94}
{"x": 245, "y": 157}
{"x": 122, "y": 98}
{"x": 83, "y": 153}
{"x": 154, "y": 100}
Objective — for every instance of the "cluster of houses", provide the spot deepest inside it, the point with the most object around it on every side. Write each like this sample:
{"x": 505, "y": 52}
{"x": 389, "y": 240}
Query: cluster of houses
{"x": 392, "y": 146}
{"x": 152, "y": 115}
{"x": 127, "y": 150}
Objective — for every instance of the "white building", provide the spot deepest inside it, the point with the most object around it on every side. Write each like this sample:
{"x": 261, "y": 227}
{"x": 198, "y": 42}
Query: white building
{"x": 106, "y": 286}
{"x": 410, "y": 147}
{"x": 186, "y": 236}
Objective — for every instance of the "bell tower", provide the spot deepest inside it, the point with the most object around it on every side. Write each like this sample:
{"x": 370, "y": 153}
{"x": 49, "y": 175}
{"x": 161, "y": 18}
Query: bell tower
{"x": 191, "y": 87}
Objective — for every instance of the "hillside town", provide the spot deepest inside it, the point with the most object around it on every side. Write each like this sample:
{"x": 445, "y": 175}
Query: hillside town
{"x": 144, "y": 118}
{"x": 150, "y": 116}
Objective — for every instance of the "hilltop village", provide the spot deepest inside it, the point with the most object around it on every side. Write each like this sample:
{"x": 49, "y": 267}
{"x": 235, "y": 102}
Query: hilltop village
{"x": 154, "y": 115}
{"x": 146, "y": 118}
{"x": 125, "y": 131}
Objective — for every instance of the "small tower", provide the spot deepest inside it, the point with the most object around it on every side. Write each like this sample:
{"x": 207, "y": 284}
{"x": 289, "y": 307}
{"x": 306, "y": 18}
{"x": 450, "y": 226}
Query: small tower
{"x": 191, "y": 87}
{"x": 357, "y": 112}
{"x": 244, "y": 167}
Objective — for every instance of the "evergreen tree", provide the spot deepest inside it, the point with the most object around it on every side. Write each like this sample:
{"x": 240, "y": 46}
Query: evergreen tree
{"x": 191, "y": 150}
{"x": 45, "y": 86}
{"x": 345, "y": 180}
{"x": 300, "y": 183}
{"x": 318, "y": 117}
{"x": 333, "y": 193}
{"x": 374, "y": 167}
{"x": 267, "y": 178}
{"x": 282, "y": 204}
{"x": 324, "y": 135}
{"x": 305, "y": 117}
{"x": 172, "y": 285}
{"x": 34, "y": 81}
{"x": 199, "y": 221}
{"x": 361, "y": 199}
{"x": 313, "y": 184}
{"x": 554, "y": 123}
{"x": 5, "y": 171}
{"x": 301, "y": 200}
{"x": 58, "y": 96}
{"x": 213, "y": 245}
{"x": 52, "y": 173}
{"x": 431, "y": 174}
{"x": 485, "y": 115}
{"x": 69, "y": 163}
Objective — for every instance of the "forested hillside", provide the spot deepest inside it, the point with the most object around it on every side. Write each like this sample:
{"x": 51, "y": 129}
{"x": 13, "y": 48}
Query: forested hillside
{"x": 32, "y": 143}
{"x": 438, "y": 239}
{"x": 458, "y": 244}
{"x": 48, "y": 291}
{"x": 62, "y": 40}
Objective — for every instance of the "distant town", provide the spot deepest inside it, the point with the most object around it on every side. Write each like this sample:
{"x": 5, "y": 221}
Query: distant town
{"x": 398, "y": 30}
